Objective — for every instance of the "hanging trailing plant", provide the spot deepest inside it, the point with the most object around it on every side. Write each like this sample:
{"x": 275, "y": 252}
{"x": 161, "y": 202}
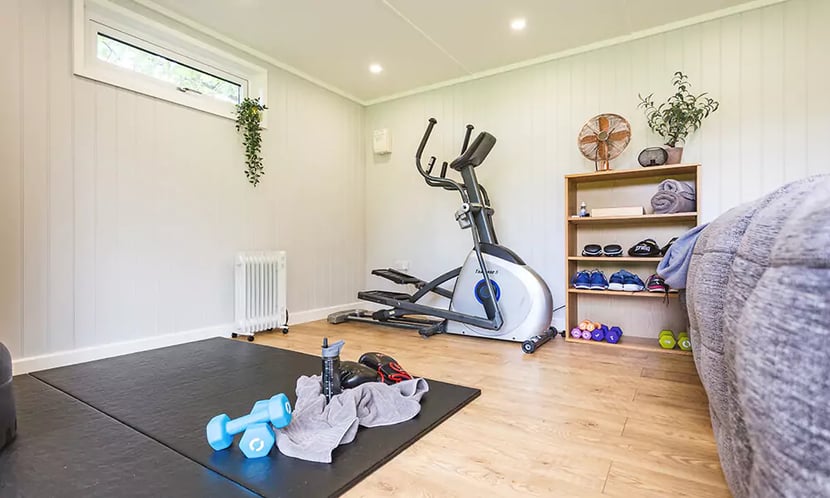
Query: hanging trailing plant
{"x": 248, "y": 121}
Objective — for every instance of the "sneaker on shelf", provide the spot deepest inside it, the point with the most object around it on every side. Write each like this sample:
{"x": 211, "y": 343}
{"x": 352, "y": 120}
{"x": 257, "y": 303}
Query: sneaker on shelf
{"x": 617, "y": 281}
{"x": 581, "y": 280}
{"x": 657, "y": 284}
{"x": 598, "y": 280}
{"x": 632, "y": 283}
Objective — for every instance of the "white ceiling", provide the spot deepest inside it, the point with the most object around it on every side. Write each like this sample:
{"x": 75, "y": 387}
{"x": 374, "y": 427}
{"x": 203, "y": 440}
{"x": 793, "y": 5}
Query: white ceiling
{"x": 424, "y": 42}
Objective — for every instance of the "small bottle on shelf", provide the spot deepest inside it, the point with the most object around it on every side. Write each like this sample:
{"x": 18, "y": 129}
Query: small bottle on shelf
{"x": 583, "y": 210}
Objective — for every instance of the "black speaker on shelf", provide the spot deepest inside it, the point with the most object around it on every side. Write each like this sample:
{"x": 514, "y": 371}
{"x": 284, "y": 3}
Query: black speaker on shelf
{"x": 653, "y": 156}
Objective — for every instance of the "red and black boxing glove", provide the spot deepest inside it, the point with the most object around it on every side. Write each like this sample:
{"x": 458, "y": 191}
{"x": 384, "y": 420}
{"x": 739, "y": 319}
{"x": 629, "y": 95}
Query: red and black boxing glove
{"x": 389, "y": 370}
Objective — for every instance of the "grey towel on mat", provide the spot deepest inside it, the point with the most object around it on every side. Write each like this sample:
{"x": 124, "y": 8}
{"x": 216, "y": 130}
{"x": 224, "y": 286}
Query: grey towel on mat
{"x": 665, "y": 202}
{"x": 675, "y": 264}
{"x": 672, "y": 185}
{"x": 317, "y": 428}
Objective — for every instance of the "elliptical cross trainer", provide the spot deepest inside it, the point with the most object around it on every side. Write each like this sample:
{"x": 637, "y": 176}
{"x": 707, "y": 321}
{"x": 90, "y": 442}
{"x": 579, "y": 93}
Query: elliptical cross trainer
{"x": 496, "y": 295}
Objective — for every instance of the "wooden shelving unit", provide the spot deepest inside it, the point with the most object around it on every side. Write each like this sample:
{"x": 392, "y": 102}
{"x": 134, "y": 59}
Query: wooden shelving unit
{"x": 644, "y": 313}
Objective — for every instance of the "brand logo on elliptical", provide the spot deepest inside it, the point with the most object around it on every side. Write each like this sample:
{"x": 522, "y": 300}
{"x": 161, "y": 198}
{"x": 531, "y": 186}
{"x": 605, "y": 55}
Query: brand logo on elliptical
{"x": 489, "y": 272}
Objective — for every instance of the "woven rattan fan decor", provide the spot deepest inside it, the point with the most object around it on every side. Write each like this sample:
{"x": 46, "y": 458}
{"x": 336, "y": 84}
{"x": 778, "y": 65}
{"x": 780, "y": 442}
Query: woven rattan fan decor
{"x": 603, "y": 138}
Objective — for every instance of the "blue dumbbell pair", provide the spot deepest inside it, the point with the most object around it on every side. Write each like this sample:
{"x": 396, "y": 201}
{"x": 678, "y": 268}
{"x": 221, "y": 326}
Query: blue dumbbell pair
{"x": 258, "y": 437}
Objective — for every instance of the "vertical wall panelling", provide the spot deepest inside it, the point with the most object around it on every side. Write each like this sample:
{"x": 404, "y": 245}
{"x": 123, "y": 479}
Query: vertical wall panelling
{"x": 35, "y": 160}
{"x": 11, "y": 192}
{"x": 772, "y": 100}
{"x": 61, "y": 313}
{"x": 752, "y": 105}
{"x": 121, "y": 214}
{"x": 816, "y": 78}
{"x": 84, "y": 132}
{"x": 754, "y": 63}
{"x": 796, "y": 79}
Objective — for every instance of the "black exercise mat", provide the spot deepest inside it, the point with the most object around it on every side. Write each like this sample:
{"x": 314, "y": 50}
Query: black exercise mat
{"x": 170, "y": 394}
{"x": 66, "y": 448}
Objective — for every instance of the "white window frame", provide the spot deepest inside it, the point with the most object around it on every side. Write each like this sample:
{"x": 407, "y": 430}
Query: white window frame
{"x": 91, "y": 17}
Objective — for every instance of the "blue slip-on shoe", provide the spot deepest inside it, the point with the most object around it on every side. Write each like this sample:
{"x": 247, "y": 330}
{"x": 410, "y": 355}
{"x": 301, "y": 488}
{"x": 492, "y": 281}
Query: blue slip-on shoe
{"x": 598, "y": 280}
{"x": 581, "y": 280}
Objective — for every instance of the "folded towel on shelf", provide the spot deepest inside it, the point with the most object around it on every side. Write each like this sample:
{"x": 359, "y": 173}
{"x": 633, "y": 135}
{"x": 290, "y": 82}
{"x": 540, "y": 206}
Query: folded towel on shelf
{"x": 665, "y": 202}
{"x": 672, "y": 185}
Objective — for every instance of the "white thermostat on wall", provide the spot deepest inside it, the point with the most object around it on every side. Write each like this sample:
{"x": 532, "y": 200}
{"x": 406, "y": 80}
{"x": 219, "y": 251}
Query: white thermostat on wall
{"x": 382, "y": 142}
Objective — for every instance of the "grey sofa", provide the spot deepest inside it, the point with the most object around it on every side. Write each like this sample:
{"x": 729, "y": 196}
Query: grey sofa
{"x": 8, "y": 420}
{"x": 758, "y": 297}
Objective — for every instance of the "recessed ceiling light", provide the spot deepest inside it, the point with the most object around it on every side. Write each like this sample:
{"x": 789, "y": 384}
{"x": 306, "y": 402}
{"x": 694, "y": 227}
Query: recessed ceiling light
{"x": 518, "y": 24}
{"x": 375, "y": 68}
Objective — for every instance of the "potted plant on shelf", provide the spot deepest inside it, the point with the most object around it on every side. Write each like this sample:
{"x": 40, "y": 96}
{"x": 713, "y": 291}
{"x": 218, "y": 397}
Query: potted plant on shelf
{"x": 677, "y": 117}
{"x": 248, "y": 121}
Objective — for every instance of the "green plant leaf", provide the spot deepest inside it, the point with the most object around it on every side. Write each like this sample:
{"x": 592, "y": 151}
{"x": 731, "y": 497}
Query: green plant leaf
{"x": 681, "y": 114}
{"x": 248, "y": 121}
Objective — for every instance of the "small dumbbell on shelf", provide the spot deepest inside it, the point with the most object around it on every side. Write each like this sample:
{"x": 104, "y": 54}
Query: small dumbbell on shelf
{"x": 614, "y": 334}
{"x": 600, "y": 332}
{"x": 667, "y": 340}
{"x": 683, "y": 341}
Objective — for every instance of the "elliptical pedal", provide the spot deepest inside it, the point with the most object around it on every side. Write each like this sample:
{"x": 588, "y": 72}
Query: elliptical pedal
{"x": 398, "y": 277}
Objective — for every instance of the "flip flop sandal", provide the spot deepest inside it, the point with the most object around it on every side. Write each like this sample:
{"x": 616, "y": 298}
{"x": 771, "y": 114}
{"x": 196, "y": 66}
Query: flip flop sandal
{"x": 592, "y": 250}
{"x": 612, "y": 250}
{"x": 647, "y": 248}
{"x": 666, "y": 247}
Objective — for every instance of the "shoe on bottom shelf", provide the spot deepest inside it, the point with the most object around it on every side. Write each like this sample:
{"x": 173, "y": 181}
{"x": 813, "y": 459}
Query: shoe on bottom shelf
{"x": 624, "y": 280}
{"x": 632, "y": 283}
{"x": 581, "y": 280}
{"x": 616, "y": 282}
{"x": 656, "y": 284}
{"x": 598, "y": 280}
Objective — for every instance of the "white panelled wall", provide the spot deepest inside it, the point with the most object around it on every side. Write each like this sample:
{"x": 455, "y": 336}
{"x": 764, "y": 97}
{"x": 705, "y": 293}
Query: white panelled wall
{"x": 121, "y": 214}
{"x": 768, "y": 67}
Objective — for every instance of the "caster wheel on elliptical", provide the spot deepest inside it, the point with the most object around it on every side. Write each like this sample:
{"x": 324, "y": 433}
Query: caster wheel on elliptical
{"x": 234, "y": 335}
{"x": 285, "y": 330}
{"x": 250, "y": 338}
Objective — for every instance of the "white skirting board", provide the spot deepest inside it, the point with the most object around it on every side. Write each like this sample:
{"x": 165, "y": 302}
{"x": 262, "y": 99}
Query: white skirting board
{"x": 81, "y": 355}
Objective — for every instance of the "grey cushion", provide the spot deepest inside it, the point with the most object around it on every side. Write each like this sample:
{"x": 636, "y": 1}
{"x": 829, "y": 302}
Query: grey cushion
{"x": 758, "y": 297}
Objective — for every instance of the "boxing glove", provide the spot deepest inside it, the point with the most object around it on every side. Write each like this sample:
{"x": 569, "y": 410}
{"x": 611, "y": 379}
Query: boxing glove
{"x": 389, "y": 370}
{"x": 353, "y": 374}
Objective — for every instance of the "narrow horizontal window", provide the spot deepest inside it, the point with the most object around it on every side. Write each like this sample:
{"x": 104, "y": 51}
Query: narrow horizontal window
{"x": 118, "y": 46}
{"x": 185, "y": 78}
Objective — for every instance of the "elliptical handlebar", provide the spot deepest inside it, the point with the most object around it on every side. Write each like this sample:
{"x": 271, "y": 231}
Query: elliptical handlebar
{"x": 438, "y": 181}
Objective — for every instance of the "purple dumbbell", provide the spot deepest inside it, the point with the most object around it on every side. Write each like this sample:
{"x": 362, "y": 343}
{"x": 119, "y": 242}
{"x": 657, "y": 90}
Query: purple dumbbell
{"x": 586, "y": 335}
{"x": 613, "y": 335}
{"x": 576, "y": 333}
{"x": 600, "y": 333}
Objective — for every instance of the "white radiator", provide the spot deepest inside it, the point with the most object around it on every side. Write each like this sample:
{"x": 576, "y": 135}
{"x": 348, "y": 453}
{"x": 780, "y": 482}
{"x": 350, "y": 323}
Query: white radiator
{"x": 260, "y": 292}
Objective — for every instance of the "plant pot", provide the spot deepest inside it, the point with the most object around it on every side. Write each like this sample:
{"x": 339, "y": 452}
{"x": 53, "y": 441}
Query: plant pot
{"x": 675, "y": 154}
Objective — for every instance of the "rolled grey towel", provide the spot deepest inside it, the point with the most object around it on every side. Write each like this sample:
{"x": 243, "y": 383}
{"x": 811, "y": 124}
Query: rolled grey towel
{"x": 665, "y": 202}
{"x": 672, "y": 185}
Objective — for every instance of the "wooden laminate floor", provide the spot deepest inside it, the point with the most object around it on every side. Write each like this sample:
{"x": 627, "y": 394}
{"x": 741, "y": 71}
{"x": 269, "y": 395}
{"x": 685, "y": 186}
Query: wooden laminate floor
{"x": 570, "y": 420}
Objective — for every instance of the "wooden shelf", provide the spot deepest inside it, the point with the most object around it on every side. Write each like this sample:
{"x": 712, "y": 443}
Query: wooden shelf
{"x": 610, "y": 293}
{"x": 635, "y": 343}
{"x": 643, "y": 218}
{"x": 633, "y": 173}
{"x": 613, "y": 259}
{"x": 642, "y": 311}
